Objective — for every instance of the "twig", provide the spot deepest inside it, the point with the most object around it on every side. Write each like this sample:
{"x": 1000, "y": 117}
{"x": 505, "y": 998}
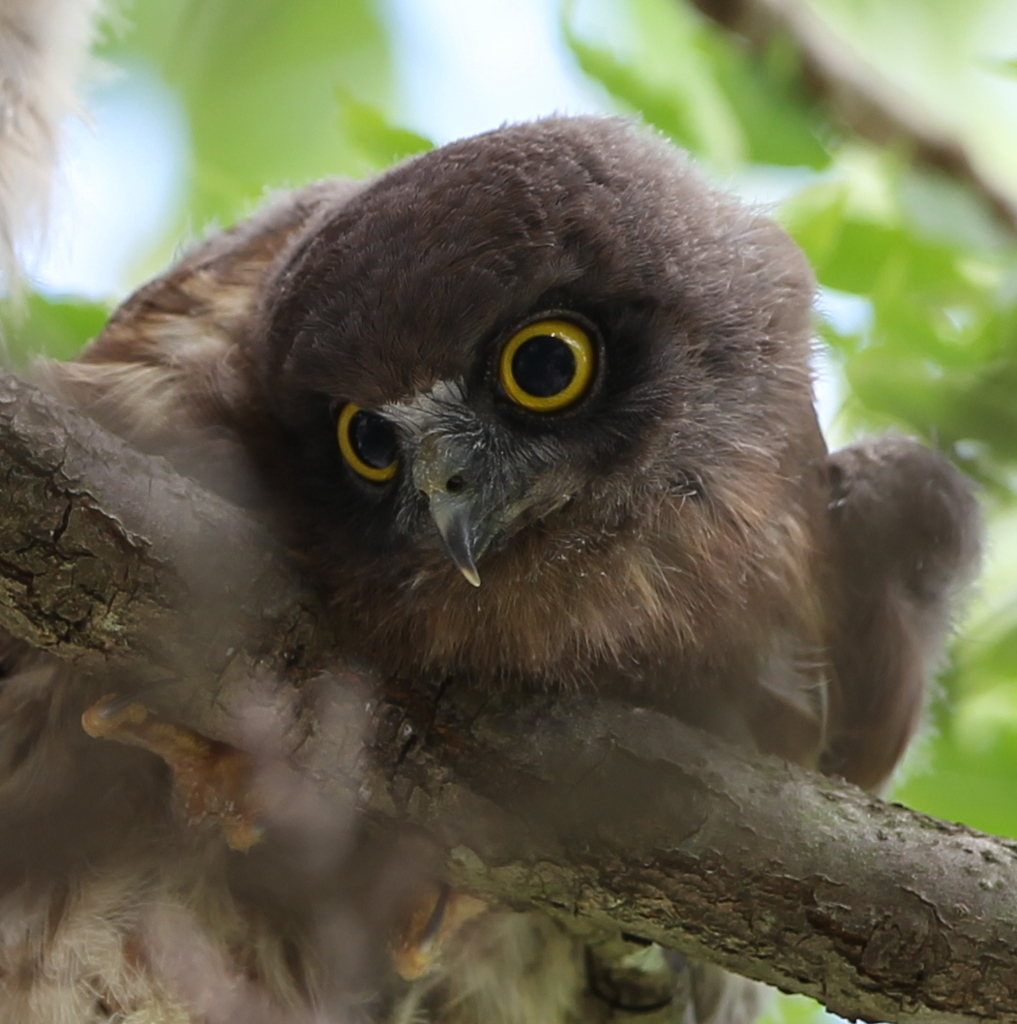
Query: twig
{"x": 857, "y": 94}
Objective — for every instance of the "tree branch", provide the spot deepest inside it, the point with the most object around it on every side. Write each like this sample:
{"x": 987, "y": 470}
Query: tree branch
{"x": 600, "y": 814}
{"x": 858, "y": 95}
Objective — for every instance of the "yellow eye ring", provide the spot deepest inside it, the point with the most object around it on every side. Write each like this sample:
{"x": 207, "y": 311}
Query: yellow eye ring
{"x": 553, "y": 377}
{"x": 354, "y": 430}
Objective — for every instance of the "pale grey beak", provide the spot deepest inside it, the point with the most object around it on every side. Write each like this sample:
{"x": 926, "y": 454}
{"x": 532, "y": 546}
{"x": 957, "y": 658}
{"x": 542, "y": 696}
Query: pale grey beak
{"x": 454, "y": 463}
{"x": 452, "y": 516}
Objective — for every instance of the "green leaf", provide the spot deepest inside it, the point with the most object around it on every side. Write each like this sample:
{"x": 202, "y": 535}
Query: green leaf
{"x": 779, "y": 127}
{"x": 260, "y": 81}
{"x": 54, "y": 328}
{"x": 690, "y": 79}
{"x": 814, "y": 217}
{"x": 377, "y": 141}
{"x": 787, "y": 1009}
{"x": 664, "y": 110}
{"x": 974, "y": 788}
{"x": 667, "y": 76}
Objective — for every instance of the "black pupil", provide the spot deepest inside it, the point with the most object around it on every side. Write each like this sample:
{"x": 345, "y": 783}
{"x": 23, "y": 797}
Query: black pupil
{"x": 543, "y": 366}
{"x": 373, "y": 439}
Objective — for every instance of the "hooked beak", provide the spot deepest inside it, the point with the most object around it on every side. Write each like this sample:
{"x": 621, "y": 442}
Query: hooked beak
{"x": 476, "y": 491}
{"x": 456, "y": 525}
{"x": 466, "y": 513}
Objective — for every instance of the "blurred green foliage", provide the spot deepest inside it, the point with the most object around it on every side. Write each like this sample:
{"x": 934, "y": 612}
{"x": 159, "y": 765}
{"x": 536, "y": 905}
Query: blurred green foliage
{"x": 262, "y": 83}
{"x": 278, "y": 92}
{"x": 683, "y": 75}
{"x": 54, "y": 328}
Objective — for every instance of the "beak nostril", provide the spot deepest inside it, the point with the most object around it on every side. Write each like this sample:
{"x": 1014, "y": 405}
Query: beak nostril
{"x": 455, "y": 484}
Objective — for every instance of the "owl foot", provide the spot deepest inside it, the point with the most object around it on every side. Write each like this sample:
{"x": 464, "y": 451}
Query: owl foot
{"x": 435, "y": 917}
{"x": 640, "y": 980}
{"x": 211, "y": 780}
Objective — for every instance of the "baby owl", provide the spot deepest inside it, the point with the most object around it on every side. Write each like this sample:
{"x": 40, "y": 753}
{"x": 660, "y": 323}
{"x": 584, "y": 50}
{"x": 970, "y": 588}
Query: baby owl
{"x": 532, "y": 411}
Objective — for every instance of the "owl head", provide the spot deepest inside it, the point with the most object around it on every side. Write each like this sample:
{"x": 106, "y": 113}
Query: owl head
{"x": 530, "y": 403}
{"x": 540, "y": 378}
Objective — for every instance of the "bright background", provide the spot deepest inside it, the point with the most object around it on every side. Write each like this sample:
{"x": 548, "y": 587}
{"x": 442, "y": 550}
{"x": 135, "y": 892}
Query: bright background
{"x": 196, "y": 107}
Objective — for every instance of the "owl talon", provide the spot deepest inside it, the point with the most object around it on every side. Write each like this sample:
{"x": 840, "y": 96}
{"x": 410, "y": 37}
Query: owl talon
{"x": 211, "y": 780}
{"x": 437, "y": 916}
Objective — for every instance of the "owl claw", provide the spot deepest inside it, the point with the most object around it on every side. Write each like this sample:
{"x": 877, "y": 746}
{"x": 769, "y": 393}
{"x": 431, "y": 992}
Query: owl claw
{"x": 211, "y": 780}
{"x": 437, "y": 916}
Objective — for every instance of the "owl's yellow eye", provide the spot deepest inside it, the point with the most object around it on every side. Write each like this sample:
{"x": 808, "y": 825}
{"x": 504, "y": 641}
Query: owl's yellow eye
{"x": 368, "y": 443}
{"x": 548, "y": 365}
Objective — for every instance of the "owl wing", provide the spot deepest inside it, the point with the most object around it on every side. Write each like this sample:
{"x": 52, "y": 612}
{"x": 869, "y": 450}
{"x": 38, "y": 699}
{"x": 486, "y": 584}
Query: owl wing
{"x": 904, "y": 537}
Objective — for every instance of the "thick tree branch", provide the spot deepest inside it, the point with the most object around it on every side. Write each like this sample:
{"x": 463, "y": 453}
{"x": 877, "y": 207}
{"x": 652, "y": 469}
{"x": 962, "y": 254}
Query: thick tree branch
{"x": 858, "y": 95}
{"x": 112, "y": 560}
{"x": 600, "y": 814}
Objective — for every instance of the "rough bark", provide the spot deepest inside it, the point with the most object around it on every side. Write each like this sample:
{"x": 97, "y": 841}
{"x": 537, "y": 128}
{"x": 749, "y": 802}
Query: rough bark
{"x": 601, "y": 814}
{"x": 858, "y": 96}
{"x": 112, "y": 560}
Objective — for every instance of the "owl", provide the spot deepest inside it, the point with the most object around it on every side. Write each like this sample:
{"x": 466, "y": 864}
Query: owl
{"x": 533, "y": 412}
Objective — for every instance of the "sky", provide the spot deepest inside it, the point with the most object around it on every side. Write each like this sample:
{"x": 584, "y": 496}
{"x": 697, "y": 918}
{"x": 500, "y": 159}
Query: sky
{"x": 467, "y": 67}
{"x": 121, "y": 174}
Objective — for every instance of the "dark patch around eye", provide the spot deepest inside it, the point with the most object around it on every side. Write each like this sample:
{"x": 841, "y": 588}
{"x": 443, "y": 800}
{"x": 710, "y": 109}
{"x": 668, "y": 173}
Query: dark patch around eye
{"x": 544, "y": 366}
{"x": 373, "y": 439}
